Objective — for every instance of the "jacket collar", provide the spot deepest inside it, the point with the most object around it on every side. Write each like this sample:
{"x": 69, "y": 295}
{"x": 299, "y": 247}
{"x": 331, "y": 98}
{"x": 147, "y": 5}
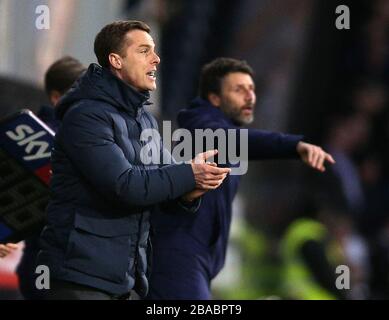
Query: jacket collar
{"x": 205, "y": 106}
{"x": 125, "y": 95}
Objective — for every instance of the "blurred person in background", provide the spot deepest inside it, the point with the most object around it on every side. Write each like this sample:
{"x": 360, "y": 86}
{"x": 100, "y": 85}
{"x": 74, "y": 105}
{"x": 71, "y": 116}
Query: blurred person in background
{"x": 369, "y": 97}
{"x": 309, "y": 266}
{"x": 355, "y": 252}
{"x": 342, "y": 186}
{"x": 368, "y": 60}
{"x": 369, "y": 55}
{"x": 189, "y": 252}
{"x": 379, "y": 252}
{"x": 374, "y": 223}
{"x": 348, "y": 190}
{"x": 58, "y": 79}
{"x": 312, "y": 248}
{"x": 370, "y": 100}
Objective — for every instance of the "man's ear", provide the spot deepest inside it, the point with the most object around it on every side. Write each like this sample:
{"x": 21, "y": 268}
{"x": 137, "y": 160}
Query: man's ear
{"x": 115, "y": 61}
{"x": 54, "y": 97}
{"x": 214, "y": 99}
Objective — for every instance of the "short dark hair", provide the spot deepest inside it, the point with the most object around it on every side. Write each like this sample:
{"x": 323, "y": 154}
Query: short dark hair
{"x": 213, "y": 73}
{"x": 62, "y": 74}
{"x": 112, "y": 39}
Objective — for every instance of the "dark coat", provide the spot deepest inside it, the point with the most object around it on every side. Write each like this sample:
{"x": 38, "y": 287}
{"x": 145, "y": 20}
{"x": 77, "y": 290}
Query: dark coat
{"x": 204, "y": 236}
{"x": 102, "y": 194}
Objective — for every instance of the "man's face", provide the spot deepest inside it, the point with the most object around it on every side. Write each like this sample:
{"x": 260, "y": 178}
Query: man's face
{"x": 237, "y": 97}
{"x": 139, "y": 64}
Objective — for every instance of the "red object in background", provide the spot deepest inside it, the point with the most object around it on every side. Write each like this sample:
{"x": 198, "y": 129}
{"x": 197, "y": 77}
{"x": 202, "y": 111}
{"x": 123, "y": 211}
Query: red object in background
{"x": 8, "y": 278}
{"x": 8, "y": 281}
{"x": 44, "y": 173}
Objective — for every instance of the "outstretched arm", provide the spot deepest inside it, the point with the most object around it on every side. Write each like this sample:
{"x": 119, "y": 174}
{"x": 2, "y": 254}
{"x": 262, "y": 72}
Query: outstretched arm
{"x": 261, "y": 144}
{"x": 273, "y": 145}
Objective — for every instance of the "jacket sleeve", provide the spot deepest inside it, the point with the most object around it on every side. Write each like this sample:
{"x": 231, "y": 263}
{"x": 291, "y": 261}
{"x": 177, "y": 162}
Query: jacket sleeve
{"x": 272, "y": 145}
{"x": 88, "y": 140}
{"x": 178, "y": 204}
{"x": 263, "y": 144}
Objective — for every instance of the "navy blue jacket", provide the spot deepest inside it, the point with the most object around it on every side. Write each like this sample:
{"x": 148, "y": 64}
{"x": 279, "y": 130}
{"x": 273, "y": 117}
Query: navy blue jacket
{"x": 102, "y": 194}
{"x": 206, "y": 233}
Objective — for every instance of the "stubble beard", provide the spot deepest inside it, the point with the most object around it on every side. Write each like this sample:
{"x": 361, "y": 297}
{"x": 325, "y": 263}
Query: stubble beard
{"x": 236, "y": 114}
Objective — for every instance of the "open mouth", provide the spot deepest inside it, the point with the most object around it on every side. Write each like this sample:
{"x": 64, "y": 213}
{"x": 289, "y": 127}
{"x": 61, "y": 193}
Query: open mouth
{"x": 247, "y": 109}
{"x": 151, "y": 74}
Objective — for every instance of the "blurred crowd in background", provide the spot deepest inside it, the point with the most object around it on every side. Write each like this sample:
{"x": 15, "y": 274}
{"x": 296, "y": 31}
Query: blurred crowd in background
{"x": 312, "y": 79}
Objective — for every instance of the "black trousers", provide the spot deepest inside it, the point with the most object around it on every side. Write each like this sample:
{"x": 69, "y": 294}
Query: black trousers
{"x": 64, "y": 290}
